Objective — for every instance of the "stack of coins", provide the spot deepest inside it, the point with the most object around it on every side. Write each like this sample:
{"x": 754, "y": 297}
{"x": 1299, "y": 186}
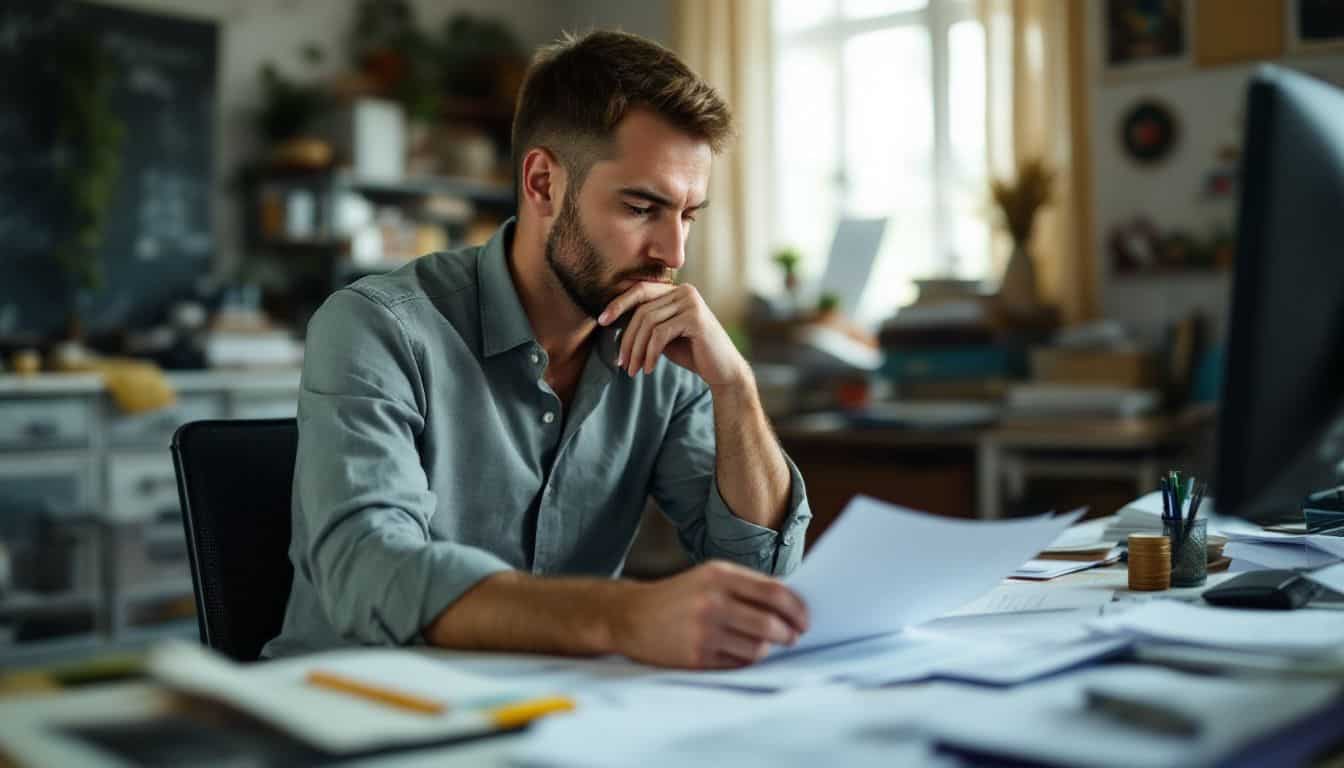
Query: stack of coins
{"x": 1149, "y": 562}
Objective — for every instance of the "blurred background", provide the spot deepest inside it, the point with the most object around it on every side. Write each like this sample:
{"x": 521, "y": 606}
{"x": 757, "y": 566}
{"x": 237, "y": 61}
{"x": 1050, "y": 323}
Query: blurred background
{"x": 979, "y": 252}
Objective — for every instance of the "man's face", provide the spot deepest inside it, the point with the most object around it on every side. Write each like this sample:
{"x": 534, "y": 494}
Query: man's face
{"x": 630, "y": 219}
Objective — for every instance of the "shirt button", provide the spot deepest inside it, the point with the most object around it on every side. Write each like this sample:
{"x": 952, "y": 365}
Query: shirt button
{"x": 548, "y": 417}
{"x": 788, "y": 541}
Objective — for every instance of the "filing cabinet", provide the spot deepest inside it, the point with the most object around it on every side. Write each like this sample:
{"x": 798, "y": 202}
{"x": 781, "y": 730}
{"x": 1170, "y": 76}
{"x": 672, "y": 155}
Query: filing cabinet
{"x": 89, "y": 507}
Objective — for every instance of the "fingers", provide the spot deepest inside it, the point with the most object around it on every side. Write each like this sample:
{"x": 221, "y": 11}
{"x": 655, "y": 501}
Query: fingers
{"x": 738, "y": 649}
{"x": 662, "y": 335}
{"x": 635, "y": 340}
{"x": 769, "y": 594}
{"x": 753, "y": 622}
{"x": 641, "y": 292}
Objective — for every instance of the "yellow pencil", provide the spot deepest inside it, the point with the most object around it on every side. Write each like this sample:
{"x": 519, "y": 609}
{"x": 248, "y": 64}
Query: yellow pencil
{"x": 524, "y": 712}
{"x": 375, "y": 693}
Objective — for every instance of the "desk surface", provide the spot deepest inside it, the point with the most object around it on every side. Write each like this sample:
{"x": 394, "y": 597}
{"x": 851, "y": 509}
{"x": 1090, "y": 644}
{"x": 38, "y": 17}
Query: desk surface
{"x": 130, "y": 699}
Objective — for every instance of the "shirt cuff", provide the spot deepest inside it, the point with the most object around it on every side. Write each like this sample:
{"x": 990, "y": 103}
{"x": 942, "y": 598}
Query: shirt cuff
{"x": 453, "y": 570}
{"x": 755, "y": 546}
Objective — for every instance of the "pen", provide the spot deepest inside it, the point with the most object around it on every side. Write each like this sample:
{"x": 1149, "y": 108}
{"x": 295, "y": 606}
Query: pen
{"x": 1147, "y": 715}
{"x": 376, "y": 693}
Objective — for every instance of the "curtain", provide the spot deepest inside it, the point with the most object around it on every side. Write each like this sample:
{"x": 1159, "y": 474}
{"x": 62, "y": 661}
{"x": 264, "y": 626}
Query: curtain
{"x": 727, "y": 42}
{"x": 1036, "y": 88}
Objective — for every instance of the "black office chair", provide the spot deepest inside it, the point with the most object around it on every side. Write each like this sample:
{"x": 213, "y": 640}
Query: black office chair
{"x": 234, "y": 479}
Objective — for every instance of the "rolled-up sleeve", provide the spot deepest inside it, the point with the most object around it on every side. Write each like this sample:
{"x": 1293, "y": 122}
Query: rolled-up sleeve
{"x": 361, "y": 492}
{"x": 687, "y": 490}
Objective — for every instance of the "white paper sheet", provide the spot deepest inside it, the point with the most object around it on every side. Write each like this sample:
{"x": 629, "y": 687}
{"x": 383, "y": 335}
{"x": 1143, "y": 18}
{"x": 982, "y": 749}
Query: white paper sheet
{"x": 1049, "y": 722}
{"x": 686, "y": 727}
{"x": 1304, "y": 632}
{"x": 1017, "y": 598}
{"x": 1288, "y": 555}
{"x": 1044, "y": 570}
{"x": 902, "y": 656}
{"x": 881, "y": 567}
{"x": 1332, "y": 577}
{"x": 1082, "y": 537}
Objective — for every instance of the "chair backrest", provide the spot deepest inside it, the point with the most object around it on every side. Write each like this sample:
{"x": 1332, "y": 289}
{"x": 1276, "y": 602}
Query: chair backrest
{"x": 234, "y": 478}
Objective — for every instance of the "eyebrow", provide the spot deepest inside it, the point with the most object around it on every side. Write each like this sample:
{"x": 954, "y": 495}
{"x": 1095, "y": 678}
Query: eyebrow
{"x": 654, "y": 197}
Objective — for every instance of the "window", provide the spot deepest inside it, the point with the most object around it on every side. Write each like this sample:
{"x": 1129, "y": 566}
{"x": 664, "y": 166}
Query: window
{"x": 880, "y": 111}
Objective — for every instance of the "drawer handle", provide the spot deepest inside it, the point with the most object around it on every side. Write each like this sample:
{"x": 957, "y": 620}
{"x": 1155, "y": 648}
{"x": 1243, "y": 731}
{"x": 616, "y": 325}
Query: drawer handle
{"x": 41, "y": 430}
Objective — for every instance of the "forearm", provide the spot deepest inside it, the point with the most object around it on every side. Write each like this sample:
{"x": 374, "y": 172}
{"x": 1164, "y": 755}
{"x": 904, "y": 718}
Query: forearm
{"x": 513, "y": 611}
{"x": 749, "y": 464}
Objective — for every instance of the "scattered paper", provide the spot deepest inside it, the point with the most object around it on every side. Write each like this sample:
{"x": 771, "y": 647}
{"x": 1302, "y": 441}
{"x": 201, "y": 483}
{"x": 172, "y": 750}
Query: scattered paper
{"x": 1050, "y": 723}
{"x": 880, "y": 567}
{"x": 1332, "y": 577}
{"x": 1289, "y": 555}
{"x": 1304, "y": 632}
{"x": 679, "y": 727}
{"x": 1017, "y": 598}
{"x": 1044, "y": 570}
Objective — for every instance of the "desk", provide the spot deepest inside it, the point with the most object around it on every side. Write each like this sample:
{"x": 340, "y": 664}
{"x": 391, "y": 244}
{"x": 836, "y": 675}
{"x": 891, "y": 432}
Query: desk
{"x": 965, "y": 472}
{"x": 133, "y": 698}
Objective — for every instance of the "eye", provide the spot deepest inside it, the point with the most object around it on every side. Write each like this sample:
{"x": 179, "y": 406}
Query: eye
{"x": 638, "y": 211}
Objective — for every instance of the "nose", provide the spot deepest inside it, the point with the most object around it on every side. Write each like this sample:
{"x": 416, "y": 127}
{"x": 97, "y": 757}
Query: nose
{"x": 669, "y": 245}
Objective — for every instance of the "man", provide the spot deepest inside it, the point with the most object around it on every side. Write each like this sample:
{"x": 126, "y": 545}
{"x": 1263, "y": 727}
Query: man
{"x": 478, "y": 430}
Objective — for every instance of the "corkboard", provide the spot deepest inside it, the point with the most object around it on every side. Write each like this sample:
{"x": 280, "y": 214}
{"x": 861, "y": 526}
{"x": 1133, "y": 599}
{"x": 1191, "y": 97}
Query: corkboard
{"x": 1236, "y": 31}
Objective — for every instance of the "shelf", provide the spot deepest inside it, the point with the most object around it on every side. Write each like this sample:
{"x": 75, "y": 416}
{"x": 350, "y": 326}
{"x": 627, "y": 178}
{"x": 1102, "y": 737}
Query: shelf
{"x": 26, "y": 604}
{"x": 474, "y": 189}
{"x": 478, "y": 190}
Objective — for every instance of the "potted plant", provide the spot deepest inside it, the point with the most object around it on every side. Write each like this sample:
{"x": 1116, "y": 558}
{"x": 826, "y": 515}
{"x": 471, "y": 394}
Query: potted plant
{"x": 1019, "y": 201}
{"x": 289, "y": 110}
{"x": 89, "y": 133}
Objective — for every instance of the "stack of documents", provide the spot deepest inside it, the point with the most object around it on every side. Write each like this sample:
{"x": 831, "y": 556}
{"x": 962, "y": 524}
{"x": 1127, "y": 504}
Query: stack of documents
{"x": 1144, "y": 515}
{"x": 1254, "y": 549}
{"x": 1302, "y": 633}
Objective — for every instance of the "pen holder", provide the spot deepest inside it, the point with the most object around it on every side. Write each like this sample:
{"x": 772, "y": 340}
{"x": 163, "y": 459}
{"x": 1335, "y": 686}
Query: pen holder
{"x": 1190, "y": 558}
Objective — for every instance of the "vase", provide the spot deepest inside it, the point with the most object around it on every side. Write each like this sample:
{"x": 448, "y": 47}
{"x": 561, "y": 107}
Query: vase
{"x": 1018, "y": 291}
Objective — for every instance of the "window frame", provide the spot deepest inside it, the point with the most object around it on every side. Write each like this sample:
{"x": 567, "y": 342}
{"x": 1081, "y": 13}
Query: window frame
{"x": 829, "y": 36}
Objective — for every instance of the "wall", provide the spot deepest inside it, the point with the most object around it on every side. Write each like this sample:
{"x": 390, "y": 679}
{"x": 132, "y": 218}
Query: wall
{"x": 253, "y": 32}
{"x": 1208, "y": 106}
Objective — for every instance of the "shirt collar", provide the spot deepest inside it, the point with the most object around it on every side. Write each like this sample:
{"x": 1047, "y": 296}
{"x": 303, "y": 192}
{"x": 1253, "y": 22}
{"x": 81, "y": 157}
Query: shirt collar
{"x": 504, "y": 324}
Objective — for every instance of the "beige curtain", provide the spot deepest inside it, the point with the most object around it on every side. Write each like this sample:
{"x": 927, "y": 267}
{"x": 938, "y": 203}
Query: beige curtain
{"x": 1037, "y": 89}
{"x": 727, "y": 42}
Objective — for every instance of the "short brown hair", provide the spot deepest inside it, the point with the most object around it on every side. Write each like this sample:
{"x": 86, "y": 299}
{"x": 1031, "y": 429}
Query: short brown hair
{"x": 577, "y": 90}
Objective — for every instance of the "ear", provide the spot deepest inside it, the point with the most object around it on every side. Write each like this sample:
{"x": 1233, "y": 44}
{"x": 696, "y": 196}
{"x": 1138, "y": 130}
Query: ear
{"x": 543, "y": 182}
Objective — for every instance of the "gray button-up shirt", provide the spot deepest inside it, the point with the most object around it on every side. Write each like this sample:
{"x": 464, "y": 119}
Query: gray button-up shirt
{"x": 432, "y": 454}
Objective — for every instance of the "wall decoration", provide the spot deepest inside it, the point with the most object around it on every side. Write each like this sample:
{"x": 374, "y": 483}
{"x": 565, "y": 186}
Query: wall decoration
{"x": 1148, "y": 131}
{"x": 1314, "y": 25}
{"x": 1146, "y": 35}
{"x": 1138, "y": 247}
{"x": 1236, "y": 31}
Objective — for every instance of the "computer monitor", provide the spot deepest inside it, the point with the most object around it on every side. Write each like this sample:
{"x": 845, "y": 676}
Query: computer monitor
{"x": 1281, "y": 422}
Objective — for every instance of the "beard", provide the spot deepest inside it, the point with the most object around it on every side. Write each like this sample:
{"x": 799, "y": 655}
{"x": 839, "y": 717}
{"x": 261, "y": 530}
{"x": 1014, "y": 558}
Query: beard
{"x": 581, "y": 270}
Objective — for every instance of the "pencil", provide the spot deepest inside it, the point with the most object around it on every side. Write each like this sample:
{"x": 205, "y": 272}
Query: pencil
{"x": 524, "y": 712}
{"x": 376, "y": 693}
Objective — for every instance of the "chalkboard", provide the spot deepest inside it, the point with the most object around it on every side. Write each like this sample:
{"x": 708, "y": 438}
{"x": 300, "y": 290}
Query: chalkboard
{"x": 157, "y": 240}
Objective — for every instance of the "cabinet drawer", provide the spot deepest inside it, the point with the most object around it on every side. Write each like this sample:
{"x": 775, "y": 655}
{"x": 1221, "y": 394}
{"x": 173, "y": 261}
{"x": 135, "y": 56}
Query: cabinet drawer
{"x": 59, "y": 486}
{"x": 44, "y": 423}
{"x": 142, "y": 488}
{"x": 156, "y": 427}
